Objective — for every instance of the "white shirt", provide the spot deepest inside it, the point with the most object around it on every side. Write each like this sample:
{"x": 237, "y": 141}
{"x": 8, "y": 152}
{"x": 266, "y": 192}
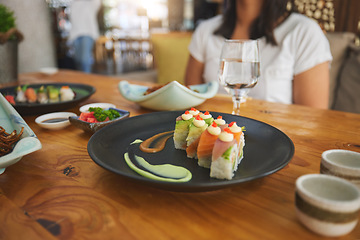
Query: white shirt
{"x": 301, "y": 46}
{"x": 83, "y": 18}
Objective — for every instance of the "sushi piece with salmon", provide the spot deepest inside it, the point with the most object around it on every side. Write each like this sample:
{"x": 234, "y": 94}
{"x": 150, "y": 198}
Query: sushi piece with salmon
{"x": 30, "y": 95}
{"x": 206, "y": 145}
{"x": 182, "y": 129}
{"x": 239, "y": 136}
{"x": 224, "y": 156}
{"x": 196, "y": 128}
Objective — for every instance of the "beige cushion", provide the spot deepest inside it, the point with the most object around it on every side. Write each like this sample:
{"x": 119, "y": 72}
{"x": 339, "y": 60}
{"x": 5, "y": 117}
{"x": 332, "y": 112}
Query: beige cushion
{"x": 339, "y": 43}
{"x": 171, "y": 55}
{"x": 347, "y": 96}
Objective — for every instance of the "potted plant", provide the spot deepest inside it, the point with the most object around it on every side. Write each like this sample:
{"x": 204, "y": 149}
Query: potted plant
{"x": 9, "y": 39}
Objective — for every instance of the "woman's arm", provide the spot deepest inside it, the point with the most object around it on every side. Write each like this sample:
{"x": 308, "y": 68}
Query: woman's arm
{"x": 194, "y": 72}
{"x": 311, "y": 88}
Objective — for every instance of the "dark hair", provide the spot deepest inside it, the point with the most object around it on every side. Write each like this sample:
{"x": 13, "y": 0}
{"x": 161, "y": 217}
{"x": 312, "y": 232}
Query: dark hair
{"x": 264, "y": 25}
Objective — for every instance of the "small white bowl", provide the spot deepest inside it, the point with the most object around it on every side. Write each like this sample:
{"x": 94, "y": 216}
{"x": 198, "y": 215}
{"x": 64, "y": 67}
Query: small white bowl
{"x": 172, "y": 96}
{"x": 341, "y": 163}
{"x": 54, "y": 121}
{"x": 49, "y": 70}
{"x": 327, "y": 205}
{"x": 86, "y": 107}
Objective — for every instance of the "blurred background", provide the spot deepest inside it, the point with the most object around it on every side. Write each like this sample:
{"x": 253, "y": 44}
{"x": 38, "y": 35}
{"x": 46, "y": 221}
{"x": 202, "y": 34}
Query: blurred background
{"x": 128, "y": 29}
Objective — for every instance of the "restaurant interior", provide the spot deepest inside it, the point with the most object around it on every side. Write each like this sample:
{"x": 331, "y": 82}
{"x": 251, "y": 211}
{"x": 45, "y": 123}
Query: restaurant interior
{"x": 102, "y": 158}
{"x": 136, "y": 37}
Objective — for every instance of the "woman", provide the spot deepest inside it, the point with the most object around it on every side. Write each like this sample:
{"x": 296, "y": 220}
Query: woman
{"x": 295, "y": 53}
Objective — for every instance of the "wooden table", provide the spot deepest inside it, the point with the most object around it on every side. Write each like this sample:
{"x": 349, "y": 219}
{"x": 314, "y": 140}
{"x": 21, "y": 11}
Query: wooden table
{"x": 58, "y": 192}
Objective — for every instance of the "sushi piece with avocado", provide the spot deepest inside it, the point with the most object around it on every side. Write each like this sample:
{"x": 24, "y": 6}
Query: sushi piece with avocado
{"x": 182, "y": 129}
{"x": 53, "y": 94}
{"x": 207, "y": 117}
{"x": 196, "y": 128}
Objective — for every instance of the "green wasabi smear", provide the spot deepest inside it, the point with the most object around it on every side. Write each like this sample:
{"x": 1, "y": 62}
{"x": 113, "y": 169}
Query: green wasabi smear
{"x": 136, "y": 141}
{"x": 170, "y": 173}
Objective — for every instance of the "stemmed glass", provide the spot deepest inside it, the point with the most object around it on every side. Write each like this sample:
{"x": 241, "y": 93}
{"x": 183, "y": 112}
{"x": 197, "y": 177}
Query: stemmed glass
{"x": 239, "y": 69}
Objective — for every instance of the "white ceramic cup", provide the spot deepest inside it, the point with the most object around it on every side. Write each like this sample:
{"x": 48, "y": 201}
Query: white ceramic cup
{"x": 327, "y": 205}
{"x": 341, "y": 163}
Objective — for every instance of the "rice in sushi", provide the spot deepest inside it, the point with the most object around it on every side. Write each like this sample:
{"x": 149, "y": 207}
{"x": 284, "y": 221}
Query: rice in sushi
{"x": 224, "y": 156}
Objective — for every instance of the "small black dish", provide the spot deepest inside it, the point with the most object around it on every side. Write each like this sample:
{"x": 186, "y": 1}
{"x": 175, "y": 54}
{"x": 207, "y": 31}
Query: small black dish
{"x": 93, "y": 127}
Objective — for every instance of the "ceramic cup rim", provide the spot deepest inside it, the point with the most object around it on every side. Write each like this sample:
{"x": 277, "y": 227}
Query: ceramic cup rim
{"x": 341, "y": 168}
{"x": 350, "y": 204}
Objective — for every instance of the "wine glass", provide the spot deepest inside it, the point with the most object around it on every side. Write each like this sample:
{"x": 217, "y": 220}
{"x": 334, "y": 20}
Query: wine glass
{"x": 239, "y": 69}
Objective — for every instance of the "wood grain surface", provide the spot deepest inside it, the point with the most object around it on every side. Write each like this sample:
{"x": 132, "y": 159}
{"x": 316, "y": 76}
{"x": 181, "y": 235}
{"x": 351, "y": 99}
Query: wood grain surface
{"x": 58, "y": 192}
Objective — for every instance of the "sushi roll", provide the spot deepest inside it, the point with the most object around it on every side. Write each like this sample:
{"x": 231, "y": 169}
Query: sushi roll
{"x": 224, "y": 156}
{"x": 239, "y": 136}
{"x": 53, "y": 94}
{"x": 20, "y": 95}
{"x": 206, "y": 145}
{"x": 30, "y": 95}
{"x": 194, "y": 112}
{"x": 42, "y": 95}
{"x": 66, "y": 93}
{"x": 207, "y": 117}
{"x": 182, "y": 129}
{"x": 220, "y": 122}
{"x": 196, "y": 128}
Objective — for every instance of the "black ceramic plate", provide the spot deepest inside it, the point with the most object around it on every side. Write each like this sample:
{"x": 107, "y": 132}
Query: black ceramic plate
{"x": 266, "y": 151}
{"x": 82, "y": 92}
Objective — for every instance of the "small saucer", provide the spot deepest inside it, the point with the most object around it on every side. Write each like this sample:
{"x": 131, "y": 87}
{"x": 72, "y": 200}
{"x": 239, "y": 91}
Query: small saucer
{"x": 49, "y": 70}
{"x": 54, "y": 121}
{"x": 86, "y": 107}
{"x": 93, "y": 127}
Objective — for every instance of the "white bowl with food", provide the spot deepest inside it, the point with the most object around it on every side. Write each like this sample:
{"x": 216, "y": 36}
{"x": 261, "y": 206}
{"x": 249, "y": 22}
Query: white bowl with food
{"x": 172, "y": 96}
{"x": 86, "y": 107}
{"x": 54, "y": 121}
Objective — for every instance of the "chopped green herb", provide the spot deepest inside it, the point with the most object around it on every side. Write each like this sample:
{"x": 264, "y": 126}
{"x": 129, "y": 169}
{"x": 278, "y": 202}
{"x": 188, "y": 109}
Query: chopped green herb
{"x": 101, "y": 114}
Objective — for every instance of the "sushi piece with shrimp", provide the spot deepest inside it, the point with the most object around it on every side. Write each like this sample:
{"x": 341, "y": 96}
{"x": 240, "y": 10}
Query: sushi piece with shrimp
{"x": 224, "y": 156}
{"x": 192, "y": 140}
{"x": 182, "y": 129}
{"x": 206, "y": 145}
{"x": 20, "y": 95}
